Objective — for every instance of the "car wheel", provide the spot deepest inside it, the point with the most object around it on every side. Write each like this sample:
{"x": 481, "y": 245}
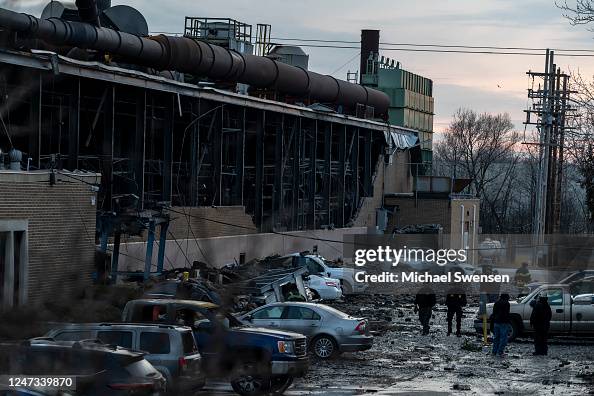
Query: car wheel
{"x": 324, "y": 347}
{"x": 514, "y": 330}
{"x": 280, "y": 383}
{"x": 247, "y": 380}
{"x": 249, "y": 385}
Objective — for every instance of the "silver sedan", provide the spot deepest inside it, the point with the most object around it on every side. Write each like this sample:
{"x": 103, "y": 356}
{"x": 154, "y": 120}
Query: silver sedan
{"x": 329, "y": 331}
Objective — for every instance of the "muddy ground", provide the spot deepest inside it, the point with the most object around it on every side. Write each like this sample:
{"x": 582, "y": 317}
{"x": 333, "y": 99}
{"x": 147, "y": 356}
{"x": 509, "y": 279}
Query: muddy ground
{"x": 404, "y": 362}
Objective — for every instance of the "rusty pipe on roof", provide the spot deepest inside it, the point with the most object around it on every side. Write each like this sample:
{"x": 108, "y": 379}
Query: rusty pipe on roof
{"x": 200, "y": 58}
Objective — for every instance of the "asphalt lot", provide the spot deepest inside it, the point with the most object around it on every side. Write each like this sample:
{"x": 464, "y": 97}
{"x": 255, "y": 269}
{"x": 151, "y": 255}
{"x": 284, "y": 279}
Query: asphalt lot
{"x": 404, "y": 362}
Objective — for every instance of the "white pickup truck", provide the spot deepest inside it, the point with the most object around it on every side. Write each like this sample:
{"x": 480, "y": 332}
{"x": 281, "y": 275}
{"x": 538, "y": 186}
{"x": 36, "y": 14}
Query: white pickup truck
{"x": 317, "y": 265}
{"x": 572, "y": 314}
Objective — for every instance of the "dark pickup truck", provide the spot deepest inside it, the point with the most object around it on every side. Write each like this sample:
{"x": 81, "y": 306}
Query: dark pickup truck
{"x": 256, "y": 360}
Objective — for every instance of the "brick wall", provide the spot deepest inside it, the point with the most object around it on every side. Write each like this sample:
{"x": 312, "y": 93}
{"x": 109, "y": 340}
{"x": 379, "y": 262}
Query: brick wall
{"x": 61, "y": 229}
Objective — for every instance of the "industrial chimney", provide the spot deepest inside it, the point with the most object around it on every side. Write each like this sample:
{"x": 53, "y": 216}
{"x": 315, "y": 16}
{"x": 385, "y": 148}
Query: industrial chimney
{"x": 369, "y": 45}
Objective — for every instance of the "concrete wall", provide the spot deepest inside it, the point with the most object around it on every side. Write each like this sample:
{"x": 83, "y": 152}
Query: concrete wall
{"x": 397, "y": 175}
{"x": 220, "y": 251}
{"x": 389, "y": 178}
{"x": 190, "y": 223}
{"x": 61, "y": 228}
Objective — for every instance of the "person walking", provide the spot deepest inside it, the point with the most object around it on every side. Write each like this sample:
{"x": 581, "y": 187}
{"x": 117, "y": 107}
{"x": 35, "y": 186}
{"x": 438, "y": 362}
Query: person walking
{"x": 540, "y": 320}
{"x": 455, "y": 302}
{"x": 501, "y": 324}
{"x": 424, "y": 302}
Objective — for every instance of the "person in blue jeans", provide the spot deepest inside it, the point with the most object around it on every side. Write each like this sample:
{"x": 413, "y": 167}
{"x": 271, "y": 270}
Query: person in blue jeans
{"x": 501, "y": 324}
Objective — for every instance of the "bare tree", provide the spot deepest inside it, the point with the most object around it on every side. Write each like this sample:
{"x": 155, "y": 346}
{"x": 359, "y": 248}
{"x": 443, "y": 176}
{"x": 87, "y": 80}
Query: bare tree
{"x": 580, "y": 141}
{"x": 481, "y": 147}
{"x": 581, "y": 13}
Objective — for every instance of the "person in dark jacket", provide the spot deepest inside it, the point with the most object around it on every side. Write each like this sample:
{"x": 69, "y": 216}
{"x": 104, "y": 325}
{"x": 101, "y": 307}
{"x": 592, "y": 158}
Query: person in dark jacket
{"x": 522, "y": 277}
{"x": 455, "y": 301}
{"x": 501, "y": 324}
{"x": 424, "y": 303}
{"x": 540, "y": 320}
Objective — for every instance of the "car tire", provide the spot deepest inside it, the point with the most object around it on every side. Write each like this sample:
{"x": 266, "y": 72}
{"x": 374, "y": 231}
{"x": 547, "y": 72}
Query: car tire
{"x": 280, "y": 383}
{"x": 514, "y": 330}
{"x": 324, "y": 347}
{"x": 248, "y": 379}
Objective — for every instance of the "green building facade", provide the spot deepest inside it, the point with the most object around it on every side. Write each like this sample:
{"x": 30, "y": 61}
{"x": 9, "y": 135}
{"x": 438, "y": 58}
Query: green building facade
{"x": 411, "y": 100}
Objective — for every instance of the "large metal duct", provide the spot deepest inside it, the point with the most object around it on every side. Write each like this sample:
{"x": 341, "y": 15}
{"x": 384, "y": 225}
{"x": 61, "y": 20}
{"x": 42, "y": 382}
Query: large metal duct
{"x": 197, "y": 57}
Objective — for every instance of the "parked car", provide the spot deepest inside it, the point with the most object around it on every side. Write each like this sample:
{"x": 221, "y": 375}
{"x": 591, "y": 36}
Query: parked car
{"x": 317, "y": 265}
{"x": 573, "y": 277}
{"x": 172, "y": 350}
{"x": 99, "y": 369}
{"x": 256, "y": 360}
{"x": 324, "y": 288}
{"x": 329, "y": 330}
{"x": 572, "y": 314}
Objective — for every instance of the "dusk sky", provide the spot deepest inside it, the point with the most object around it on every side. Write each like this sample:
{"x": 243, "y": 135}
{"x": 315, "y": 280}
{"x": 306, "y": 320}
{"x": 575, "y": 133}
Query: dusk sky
{"x": 460, "y": 80}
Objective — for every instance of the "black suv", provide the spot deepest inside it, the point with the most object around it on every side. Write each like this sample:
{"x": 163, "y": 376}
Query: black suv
{"x": 98, "y": 369}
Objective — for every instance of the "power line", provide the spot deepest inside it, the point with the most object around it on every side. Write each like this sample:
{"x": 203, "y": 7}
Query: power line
{"x": 492, "y": 47}
{"x": 450, "y": 51}
{"x": 346, "y": 63}
{"x": 437, "y": 48}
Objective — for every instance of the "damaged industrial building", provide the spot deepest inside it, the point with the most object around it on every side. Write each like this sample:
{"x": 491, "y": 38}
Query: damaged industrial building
{"x": 214, "y": 146}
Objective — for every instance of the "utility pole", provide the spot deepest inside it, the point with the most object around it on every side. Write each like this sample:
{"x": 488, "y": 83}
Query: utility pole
{"x": 550, "y": 110}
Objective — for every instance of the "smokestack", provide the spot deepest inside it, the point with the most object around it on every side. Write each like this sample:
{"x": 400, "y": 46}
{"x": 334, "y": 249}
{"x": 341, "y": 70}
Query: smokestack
{"x": 88, "y": 11}
{"x": 369, "y": 45}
